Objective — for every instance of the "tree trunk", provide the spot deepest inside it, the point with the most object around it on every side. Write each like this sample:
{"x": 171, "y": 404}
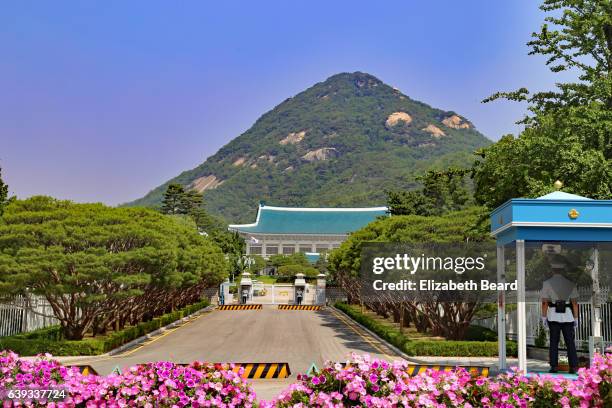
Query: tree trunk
{"x": 72, "y": 332}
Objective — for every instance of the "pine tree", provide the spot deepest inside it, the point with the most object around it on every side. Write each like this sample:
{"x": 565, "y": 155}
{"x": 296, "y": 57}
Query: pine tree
{"x": 3, "y": 193}
{"x": 191, "y": 201}
{"x": 174, "y": 201}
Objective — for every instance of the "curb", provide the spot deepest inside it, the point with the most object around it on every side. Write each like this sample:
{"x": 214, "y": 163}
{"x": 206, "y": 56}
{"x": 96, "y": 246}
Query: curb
{"x": 422, "y": 365}
{"x": 396, "y": 350}
{"x": 156, "y": 332}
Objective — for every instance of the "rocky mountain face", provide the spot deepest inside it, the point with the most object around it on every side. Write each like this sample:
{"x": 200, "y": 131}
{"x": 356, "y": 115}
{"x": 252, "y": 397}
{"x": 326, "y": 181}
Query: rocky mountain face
{"x": 342, "y": 142}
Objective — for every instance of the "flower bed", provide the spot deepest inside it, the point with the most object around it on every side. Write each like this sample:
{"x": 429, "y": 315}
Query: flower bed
{"x": 152, "y": 385}
{"x": 376, "y": 383}
{"x": 363, "y": 382}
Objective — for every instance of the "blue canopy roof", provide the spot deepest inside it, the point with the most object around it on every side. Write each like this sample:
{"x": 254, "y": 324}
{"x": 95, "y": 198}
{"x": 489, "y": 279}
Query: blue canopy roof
{"x": 290, "y": 220}
{"x": 561, "y": 195}
{"x": 557, "y": 216}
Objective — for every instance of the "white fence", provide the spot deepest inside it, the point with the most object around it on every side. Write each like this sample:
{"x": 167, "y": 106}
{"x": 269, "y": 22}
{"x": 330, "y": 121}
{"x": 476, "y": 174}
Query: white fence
{"x": 533, "y": 309}
{"x": 19, "y": 315}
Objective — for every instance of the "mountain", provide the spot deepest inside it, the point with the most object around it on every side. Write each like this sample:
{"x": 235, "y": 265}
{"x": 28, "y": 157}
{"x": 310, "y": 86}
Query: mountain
{"x": 342, "y": 142}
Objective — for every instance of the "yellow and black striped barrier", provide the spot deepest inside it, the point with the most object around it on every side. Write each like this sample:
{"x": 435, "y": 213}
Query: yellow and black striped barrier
{"x": 473, "y": 370}
{"x": 298, "y": 307}
{"x": 251, "y": 370}
{"x": 86, "y": 369}
{"x": 263, "y": 370}
{"x": 239, "y": 307}
{"x": 413, "y": 370}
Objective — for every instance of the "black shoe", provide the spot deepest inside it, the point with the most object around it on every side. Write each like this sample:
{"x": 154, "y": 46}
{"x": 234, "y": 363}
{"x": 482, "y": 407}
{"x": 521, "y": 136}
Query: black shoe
{"x": 553, "y": 370}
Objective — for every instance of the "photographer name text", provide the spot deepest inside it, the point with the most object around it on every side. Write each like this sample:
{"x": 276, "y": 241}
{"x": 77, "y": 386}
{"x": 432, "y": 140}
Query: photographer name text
{"x": 450, "y": 285}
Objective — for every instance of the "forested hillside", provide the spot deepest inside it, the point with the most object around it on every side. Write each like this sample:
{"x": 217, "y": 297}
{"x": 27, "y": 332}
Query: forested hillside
{"x": 342, "y": 142}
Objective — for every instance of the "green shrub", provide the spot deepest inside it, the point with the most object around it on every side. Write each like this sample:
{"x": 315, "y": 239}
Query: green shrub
{"x": 47, "y": 333}
{"x": 444, "y": 348}
{"x": 48, "y": 340}
{"x": 480, "y": 333}
{"x": 29, "y": 347}
{"x": 454, "y": 348}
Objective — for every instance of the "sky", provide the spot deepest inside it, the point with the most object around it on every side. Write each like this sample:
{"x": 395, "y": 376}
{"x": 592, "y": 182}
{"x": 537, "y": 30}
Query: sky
{"x": 103, "y": 101}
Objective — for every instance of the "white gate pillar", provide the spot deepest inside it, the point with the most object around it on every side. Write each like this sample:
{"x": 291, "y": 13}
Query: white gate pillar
{"x": 521, "y": 310}
{"x": 501, "y": 309}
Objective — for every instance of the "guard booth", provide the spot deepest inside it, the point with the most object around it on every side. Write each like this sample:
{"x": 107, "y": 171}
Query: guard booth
{"x": 531, "y": 234}
{"x": 245, "y": 291}
{"x": 299, "y": 289}
{"x": 225, "y": 297}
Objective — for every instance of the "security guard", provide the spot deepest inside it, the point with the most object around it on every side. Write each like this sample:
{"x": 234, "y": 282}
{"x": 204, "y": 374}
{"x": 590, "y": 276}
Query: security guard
{"x": 299, "y": 296}
{"x": 560, "y": 314}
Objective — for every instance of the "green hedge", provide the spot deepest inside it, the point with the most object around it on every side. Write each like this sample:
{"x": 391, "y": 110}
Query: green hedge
{"x": 480, "y": 333}
{"x": 48, "y": 340}
{"x": 47, "y": 333}
{"x": 31, "y": 347}
{"x": 415, "y": 347}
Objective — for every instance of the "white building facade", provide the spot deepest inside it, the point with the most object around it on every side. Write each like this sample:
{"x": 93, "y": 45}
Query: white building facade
{"x": 313, "y": 231}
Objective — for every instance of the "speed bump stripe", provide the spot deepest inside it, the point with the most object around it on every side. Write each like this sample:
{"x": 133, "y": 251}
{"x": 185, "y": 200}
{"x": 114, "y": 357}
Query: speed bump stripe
{"x": 251, "y": 370}
{"x": 240, "y": 307}
{"x": 247, "y": 371}
{"x": 284, "y": 371}
{"x": 270, "y": 371}
{"x": 263, "y": 370}
{"x": 299, "y": 307}
{"x": 416, "y": 369}
{"x": 259, "y": 371}
{"x": 413, "y": 370}
{"x": 86, "y": 369}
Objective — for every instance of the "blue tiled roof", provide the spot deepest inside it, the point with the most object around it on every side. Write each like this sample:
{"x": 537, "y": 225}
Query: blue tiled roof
{"x": 287, "y": 220}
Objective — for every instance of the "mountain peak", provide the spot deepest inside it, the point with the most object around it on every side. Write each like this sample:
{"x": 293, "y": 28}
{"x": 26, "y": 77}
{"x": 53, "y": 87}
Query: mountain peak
{"x": 342, "y": 142}
{"x": 352, "y": 80}
{"x": 358, "y": 78}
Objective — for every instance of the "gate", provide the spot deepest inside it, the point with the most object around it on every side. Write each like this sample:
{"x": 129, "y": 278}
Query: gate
{"x": 272, "y": 294}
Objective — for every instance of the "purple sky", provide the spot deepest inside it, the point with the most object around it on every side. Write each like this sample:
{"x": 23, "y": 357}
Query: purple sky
{"x": 103, "y": 101}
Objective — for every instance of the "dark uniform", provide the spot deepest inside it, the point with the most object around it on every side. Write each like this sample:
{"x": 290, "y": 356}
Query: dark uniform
{"x": 559, "y": 296}
{"x": 299, "y": 296}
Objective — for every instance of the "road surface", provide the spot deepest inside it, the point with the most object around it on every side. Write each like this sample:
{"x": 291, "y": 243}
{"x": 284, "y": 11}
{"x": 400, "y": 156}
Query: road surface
{"x": 299, "y": 338}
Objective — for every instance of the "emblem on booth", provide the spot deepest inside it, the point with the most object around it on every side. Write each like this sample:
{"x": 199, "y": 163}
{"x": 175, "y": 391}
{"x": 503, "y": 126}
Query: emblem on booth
{"x": 573, "y": 214}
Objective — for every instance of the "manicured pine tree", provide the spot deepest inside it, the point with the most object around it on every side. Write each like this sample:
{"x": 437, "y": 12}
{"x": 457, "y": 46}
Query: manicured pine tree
{"x": 191, "y": 201}
{"x": 442, "y": 191}
{"x": 174, "y": 201}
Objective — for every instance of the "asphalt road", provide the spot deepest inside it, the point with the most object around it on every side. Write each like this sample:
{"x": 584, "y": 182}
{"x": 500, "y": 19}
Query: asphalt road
{"x": 299, "y": 338}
